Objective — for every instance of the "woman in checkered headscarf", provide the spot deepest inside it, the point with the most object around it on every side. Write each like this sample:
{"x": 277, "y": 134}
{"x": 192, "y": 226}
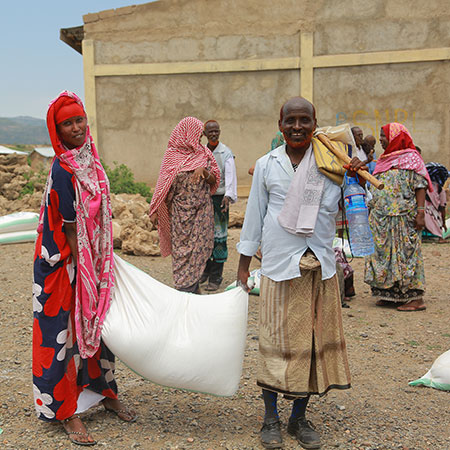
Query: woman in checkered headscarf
{"x": 181, "y": 205}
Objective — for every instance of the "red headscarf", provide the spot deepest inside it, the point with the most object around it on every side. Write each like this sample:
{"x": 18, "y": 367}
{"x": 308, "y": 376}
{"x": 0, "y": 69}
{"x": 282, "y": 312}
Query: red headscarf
{"x": 398, "y": 137}
{"x": 67, "y": 107}
{"x": 64, "y": 107}
{"x": 184, "y": 153}
{"x": 95, "y": 268}
{"x": 401, "y": 152}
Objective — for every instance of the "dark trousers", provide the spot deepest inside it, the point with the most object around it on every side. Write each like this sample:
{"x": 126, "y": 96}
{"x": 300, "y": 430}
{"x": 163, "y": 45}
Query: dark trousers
{"x": 214, "y": 271}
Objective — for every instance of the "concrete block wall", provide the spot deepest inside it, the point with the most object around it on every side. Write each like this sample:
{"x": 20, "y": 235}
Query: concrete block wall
{"x": 135, "y": 114}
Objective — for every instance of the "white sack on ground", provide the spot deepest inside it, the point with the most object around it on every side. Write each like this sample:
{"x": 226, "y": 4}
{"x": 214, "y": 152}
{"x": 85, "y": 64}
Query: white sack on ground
{"x": 18, "y": 227}
{"x": 175, "y": 339}
{"x": 17, "y": 237}
{"x": 438, "y": 376}
{"x": 19, "y": 221}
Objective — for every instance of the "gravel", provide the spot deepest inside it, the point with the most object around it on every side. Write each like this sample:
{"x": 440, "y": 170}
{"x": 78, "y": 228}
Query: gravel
{"x": 386, "y": 350}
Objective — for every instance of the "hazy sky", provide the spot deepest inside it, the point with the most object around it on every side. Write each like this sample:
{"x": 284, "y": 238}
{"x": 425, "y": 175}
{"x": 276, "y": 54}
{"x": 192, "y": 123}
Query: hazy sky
{"x": 35, "y": 65}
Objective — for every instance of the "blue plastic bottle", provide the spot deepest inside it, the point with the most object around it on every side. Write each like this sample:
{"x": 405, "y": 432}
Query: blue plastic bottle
{"x": 360, "y": 236}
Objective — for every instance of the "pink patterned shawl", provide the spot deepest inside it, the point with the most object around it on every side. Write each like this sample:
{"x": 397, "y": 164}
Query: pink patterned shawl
{"x": 401, "y": 153}
{"x": 95, "y": 270}
{"x": 184, "y": 153}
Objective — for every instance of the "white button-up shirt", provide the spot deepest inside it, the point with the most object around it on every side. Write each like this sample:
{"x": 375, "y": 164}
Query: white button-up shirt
{"x": 228, "y": 180}
{"x": 281, "y": 250}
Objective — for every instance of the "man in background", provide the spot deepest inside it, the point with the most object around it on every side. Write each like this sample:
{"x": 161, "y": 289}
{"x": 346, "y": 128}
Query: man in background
{"x": 359, "y": 140}
{"x": 225, "y": 194}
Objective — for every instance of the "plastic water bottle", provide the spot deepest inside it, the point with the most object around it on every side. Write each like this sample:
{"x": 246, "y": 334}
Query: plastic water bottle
{"x": 360, "y": 236}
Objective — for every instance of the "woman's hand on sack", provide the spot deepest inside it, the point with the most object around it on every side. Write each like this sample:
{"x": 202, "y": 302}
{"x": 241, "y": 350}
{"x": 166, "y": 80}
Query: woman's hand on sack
{"x": 420, "y": 221}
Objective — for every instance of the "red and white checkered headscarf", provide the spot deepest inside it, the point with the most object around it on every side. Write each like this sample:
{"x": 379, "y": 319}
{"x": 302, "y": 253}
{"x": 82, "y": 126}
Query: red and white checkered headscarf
{"x": 184, "y": 153}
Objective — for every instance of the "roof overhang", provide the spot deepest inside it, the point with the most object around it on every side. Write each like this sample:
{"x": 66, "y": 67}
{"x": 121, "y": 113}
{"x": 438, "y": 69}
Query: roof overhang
{"x": 73, "y": 37}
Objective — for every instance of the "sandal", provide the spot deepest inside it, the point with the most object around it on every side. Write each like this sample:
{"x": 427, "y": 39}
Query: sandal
{"x": 123, "y": 414}
{"x": 77, "y": 433}
{"x": 412, "y": 306}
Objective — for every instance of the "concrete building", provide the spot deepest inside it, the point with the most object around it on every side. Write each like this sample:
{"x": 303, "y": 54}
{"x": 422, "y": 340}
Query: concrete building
{"x": 366, "y": 63}
{"x": 41, "y": 158}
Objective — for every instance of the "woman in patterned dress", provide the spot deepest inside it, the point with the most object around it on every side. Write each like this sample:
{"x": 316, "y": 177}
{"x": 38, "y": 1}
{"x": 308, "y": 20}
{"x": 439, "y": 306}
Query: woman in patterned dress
{"x": 395, "y": 271}
{"x": 73, "y": 279}
{"x": 182, "y": 206}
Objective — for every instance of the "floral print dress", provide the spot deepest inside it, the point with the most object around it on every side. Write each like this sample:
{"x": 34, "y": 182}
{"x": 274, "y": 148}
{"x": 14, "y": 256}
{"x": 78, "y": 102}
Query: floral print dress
{"x": 192, "y": 228}
{"x": 59, "y": 373}
{"x": 395, "y": 270}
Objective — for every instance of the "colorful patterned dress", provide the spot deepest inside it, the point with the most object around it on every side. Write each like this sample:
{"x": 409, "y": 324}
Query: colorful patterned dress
{"x": 192, "y": 228}
{"x": 59, "y": 373}
{"x": 395, "y": 271}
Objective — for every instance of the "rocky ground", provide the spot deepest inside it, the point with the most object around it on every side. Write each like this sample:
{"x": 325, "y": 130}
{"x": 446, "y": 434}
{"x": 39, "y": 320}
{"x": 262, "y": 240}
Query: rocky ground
{"x": 21, "y": 189}
{"x": 386, "y": 350}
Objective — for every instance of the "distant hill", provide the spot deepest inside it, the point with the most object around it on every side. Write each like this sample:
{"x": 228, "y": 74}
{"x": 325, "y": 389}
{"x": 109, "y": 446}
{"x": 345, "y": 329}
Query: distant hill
{"x": 23, "y": 130}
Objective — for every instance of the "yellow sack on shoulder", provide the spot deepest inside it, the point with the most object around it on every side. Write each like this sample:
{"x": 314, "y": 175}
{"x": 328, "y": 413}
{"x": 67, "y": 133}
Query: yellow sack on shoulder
{"x": 327, "y": 162}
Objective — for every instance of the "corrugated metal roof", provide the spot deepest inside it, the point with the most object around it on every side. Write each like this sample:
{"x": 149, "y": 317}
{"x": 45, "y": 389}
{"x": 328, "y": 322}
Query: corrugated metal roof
{"x": 8, "y": 151}
{"x": 47, "y": 152}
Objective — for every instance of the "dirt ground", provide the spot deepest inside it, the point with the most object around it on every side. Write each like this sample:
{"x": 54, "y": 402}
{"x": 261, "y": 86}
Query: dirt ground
{"x": 386, "y": 350}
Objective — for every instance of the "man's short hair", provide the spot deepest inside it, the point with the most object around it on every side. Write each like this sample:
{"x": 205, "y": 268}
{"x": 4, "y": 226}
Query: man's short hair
{"x": 210, "y": 121}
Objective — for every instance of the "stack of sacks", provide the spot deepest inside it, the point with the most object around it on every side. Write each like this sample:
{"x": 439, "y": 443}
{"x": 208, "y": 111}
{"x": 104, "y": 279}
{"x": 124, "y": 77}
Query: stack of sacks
{"x": 18, "y": 227}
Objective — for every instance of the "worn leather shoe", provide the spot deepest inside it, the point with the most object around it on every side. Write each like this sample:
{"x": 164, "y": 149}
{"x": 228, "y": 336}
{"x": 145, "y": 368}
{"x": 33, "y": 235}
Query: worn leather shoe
{"x": 271, "y": 434}
{"x": 302, "y": 430}
{"x": 211, "y": 287}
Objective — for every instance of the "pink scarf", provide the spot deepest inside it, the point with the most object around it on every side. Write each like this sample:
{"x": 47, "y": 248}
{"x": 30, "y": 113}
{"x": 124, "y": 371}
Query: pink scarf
{"x": 95, "y": 264}
{"x": 401, "y": 153}
{"x": 184, "y": 153}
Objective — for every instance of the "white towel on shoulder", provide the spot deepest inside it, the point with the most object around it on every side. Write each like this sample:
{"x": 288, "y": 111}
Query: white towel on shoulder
{"x": 301, "y": 205}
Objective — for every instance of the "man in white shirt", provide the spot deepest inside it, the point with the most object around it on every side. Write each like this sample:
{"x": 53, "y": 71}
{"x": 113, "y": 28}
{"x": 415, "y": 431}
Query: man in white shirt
{"x": 301, "y": 341}
{"x": 226, "y": 193}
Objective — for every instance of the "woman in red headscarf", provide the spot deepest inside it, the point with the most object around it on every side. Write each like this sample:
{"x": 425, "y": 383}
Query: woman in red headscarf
{"x": 182, "y": 206}
{"x": 73, "y": 279}
{"x": 395, "y": 270}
